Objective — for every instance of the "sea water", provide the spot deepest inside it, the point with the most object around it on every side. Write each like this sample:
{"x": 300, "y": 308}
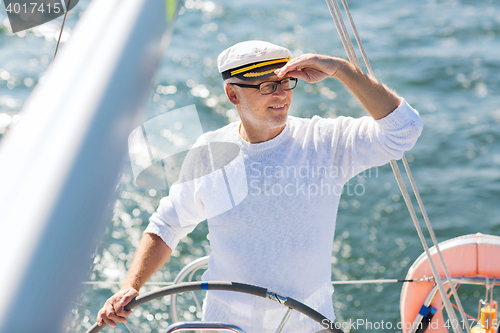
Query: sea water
{"x": 441, "y": 56}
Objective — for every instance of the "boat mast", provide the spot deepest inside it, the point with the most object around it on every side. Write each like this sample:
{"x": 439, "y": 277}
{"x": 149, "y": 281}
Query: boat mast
{"x": 60, "y": 163}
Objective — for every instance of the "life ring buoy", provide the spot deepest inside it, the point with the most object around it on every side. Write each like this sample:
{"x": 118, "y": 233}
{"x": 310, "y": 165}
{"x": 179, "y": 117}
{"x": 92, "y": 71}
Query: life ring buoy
{"x": 465, "y": 256}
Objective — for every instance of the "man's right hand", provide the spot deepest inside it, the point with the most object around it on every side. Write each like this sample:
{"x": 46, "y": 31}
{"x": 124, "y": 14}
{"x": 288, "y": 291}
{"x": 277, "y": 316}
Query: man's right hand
{"x": 150, "y": 256}
{"x": 114, "y": 308}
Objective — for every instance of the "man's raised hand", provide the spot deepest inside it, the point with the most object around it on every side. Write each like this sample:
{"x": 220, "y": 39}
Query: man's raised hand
{"x": 310, "y": 67}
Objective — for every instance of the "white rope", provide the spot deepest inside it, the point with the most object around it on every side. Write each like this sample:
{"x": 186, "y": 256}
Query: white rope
{"x": 341, "y": 34}
{"x": 346, "y": 33}
{"x": 442, "y": 290}
{"x": 119, "y": 283}
{"x": 434, "y": 240}
{"x": 361, "y": 48}
{"x": 397, "y": 173}
{"x": 377, "y": 281}
{"x": 371, "y": 281}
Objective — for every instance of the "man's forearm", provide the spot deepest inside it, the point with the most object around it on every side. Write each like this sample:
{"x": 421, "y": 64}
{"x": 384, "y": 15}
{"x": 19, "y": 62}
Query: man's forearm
{"x": 377, "y": 99}
{"x": 150, "y": 256}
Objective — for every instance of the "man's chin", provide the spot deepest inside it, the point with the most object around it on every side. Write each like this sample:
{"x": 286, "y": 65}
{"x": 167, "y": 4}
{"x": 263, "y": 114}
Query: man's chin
{"x": 278, "y": 121}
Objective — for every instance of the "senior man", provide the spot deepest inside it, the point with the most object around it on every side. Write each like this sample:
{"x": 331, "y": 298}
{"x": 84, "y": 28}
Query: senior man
{"x": 280, "y": 235}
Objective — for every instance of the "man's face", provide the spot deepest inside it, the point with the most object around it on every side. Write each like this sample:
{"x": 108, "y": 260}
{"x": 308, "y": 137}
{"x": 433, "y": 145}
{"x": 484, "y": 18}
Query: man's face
{"x": 263, "y": 111}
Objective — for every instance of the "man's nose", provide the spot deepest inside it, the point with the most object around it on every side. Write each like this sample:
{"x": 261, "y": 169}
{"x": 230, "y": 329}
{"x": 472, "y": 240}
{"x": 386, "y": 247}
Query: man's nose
{"x": 279, "y": 91}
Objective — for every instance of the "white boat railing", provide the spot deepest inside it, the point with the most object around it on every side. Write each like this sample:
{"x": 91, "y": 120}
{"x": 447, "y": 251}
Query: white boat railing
{"x": 59, "y": 165}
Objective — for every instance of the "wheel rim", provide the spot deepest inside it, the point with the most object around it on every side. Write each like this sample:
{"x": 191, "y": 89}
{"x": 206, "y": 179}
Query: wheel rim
{"x": 229, "y": 286}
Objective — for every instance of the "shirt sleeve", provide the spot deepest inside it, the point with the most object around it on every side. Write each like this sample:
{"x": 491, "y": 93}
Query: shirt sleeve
{"x": 181, "y": 211}
{"x": 365, "y": 142}
{"x": 166, "y": 224}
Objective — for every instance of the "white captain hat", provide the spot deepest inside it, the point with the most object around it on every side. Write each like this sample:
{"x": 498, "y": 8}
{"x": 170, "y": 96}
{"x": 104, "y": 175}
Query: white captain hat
{"x": 252, "y": 60}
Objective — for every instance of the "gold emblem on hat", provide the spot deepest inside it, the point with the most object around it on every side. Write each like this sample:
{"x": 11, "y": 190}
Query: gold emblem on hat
{"x": 258, "y": 74}
{"x": 262, "y": 64}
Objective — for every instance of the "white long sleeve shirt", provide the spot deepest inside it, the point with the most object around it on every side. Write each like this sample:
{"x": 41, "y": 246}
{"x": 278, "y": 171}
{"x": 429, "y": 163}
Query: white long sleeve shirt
{"x": 271, "y": 211}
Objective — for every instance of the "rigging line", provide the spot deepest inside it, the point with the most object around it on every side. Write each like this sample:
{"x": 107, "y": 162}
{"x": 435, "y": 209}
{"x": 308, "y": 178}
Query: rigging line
{"x": 395, "y": 168}
{"x": 341, "y": 34}
{"x": 128, "y": 327}
{"x": 119, "y": 283}
{"x": 339, "y": 30}
{"x": 333, "y": 282}
{"x": 434, "y": 240}
{"x": 456, "y": 307}
{"x": 373, "y": 281}
{"x": 491, "y": 293}
{"x": 361, "y": 48}
{"x": 442, "y": 290}
{"x": 346, "y": 33}
{"x": 62, "y": 27}
{"x": 468, "y": 316}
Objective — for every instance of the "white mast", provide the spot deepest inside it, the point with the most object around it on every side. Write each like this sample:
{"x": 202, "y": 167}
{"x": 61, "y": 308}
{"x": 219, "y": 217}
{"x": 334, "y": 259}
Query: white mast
{"x": 59, "y": 165}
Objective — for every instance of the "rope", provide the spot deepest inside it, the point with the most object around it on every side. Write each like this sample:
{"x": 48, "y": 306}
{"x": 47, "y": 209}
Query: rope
{"x": 119, "y": 283}
{"x": 397, "y": 173}
{"x": 442, "y": 290}
{"x": 373, "y": 281}
{"x": 468, "y": 316}
{"x": 362, "y": 49}
{"x": 62, "y": 27}
{"x": 434, "y": 240}
{"x": 342, "y": 37}
{"x": 333, "y": 282}
{"x": 346, "y": 33}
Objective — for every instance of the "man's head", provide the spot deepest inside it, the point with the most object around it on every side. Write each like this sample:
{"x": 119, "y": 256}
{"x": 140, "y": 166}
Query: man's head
{"x": 253, "y": 63}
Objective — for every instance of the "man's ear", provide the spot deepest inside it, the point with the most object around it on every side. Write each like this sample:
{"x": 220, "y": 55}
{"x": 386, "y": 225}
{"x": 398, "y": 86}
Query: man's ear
{"x": 232, "y": 94}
